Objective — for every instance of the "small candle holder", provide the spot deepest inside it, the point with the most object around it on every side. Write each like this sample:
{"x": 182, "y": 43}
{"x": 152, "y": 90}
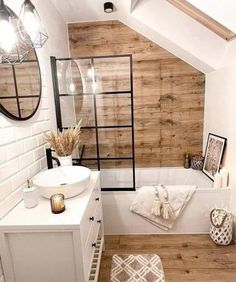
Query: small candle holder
{"x": 57, "y": 203}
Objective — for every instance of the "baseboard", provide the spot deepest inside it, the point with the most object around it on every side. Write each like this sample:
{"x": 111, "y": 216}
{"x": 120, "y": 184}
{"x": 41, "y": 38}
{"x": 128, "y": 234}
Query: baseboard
{"x": 158, "y": 234}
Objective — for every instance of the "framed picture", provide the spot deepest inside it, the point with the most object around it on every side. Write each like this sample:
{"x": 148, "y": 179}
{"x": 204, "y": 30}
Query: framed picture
{"x": 213, "y": 156}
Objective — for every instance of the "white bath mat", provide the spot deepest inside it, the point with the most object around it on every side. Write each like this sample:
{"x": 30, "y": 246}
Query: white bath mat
{"x": 137, "y": 268}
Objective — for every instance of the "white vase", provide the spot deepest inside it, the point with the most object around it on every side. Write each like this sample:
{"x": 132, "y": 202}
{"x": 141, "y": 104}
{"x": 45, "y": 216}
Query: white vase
{"x": 65, "y": 161}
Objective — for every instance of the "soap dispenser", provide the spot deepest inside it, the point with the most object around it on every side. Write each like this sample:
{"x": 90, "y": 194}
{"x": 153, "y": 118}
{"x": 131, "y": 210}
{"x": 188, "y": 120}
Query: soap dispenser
{"x": 30, "y": 196}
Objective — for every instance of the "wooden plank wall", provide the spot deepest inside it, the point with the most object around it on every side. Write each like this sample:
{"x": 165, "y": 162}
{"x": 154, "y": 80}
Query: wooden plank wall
{"x": 168, "y": 93}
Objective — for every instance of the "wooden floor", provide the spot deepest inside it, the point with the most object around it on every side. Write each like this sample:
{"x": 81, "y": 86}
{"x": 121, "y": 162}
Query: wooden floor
{"x": 184, "y": 257}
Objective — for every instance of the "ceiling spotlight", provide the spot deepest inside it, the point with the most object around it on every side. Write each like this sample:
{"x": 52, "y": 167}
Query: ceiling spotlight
{"x": 108, "y": 7}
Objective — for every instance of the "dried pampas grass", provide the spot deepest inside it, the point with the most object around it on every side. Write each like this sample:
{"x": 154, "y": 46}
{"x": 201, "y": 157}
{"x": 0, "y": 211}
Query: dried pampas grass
{"x": 64, "y": 142}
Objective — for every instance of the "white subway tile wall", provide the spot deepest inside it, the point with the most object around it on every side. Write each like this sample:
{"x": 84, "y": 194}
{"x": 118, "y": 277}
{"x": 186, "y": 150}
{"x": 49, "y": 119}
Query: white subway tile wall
{"x": 22, "y": 144}
{"x": 22, "y": 154}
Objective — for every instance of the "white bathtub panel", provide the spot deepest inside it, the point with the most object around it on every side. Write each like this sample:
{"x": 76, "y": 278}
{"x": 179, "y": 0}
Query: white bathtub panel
{"x": 195, "y": 218}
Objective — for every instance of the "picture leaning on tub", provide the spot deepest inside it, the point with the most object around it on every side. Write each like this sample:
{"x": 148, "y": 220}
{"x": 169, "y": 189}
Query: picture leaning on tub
{"x": 215, "y": 149}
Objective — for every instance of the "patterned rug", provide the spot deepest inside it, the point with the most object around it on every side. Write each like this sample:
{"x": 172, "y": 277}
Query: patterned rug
{"x": 137, "y": 268}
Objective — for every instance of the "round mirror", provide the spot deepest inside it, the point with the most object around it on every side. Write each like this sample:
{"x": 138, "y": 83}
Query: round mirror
{"x": 20, "y": 88}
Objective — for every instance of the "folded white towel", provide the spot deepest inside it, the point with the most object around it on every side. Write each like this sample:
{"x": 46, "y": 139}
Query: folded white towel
{"x": 178, "y": 197}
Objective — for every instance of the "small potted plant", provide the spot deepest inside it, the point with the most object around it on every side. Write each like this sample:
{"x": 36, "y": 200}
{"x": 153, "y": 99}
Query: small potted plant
{"x": 64, "y": 143}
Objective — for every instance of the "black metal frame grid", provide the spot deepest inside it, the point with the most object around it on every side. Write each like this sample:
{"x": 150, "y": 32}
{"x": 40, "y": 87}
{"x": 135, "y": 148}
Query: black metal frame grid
{"x": 57, "y": 96}
{"x": 17, "y": 97}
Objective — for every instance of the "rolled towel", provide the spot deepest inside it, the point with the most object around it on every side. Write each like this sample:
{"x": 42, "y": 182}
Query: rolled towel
{"x": 157, "y": 205}
{"x": 167, "y": 211}
{"x": 161, "y": 206}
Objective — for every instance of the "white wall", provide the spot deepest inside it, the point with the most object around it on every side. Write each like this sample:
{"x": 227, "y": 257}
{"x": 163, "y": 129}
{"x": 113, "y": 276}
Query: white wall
{"x": 220, "y": 109}
{"x": 22, "y": 146}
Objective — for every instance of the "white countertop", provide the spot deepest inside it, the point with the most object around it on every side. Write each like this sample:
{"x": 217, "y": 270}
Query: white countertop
{"x": 41, "y": 216}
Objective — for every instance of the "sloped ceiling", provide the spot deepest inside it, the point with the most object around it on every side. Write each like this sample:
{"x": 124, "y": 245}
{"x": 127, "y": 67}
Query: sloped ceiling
{"x": 223, "y": 11}
{"x": 159, "y": 21}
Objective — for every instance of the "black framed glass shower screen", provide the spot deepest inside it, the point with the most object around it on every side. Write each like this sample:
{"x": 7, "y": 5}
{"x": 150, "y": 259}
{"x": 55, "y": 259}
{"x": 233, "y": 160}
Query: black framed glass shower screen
{"x": 99, "y": 90}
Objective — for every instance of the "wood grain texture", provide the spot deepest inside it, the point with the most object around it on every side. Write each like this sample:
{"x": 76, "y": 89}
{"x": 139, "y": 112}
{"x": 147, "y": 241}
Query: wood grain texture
{"x": 203, "y": 19}
{"x": 185, "y": 258}
{"x": 168, "y": 93}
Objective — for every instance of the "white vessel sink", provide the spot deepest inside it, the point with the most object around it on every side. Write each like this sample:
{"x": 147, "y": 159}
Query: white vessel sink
{"x": 68, "y": 180}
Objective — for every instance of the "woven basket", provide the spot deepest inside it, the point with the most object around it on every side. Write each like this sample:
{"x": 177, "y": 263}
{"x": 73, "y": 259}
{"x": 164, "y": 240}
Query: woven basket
{"x": 197, "y": 162}
{"x": 221, "y": 229}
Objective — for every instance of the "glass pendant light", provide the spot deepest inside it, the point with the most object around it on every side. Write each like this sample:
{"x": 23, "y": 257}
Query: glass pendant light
{"x": 30, "y": 19}
{"x": 12, "y": 49}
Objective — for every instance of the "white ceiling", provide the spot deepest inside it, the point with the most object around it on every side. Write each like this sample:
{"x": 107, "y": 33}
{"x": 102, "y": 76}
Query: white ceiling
{"x": 223, "y": 11}
{"x": 88, "y": 10}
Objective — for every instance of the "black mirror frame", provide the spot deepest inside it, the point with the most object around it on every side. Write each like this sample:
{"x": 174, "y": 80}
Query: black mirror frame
{"x": 13, "y": 117}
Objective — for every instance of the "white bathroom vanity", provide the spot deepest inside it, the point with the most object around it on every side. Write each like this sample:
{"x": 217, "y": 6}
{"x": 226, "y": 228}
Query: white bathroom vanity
{"x": 38, "y": 246}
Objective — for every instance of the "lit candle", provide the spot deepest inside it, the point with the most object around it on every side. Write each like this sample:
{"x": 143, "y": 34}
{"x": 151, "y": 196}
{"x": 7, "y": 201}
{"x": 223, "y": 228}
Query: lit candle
{"x": 57, "y": 203}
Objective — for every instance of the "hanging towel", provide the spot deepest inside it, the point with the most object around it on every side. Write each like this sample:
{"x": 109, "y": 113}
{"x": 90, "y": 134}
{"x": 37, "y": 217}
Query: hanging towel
{"x": 178, "y": 197}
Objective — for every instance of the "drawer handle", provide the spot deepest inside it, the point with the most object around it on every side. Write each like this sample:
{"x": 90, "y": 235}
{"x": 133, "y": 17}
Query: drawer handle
{"x": 91, "y": 218}
{"x": 99, "y": 221}
{"x": 94, "y": 245}
{"x": 97, "y": 199}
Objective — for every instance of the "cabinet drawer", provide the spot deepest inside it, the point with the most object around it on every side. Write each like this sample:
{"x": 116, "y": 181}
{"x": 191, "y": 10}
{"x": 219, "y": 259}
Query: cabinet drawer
{"x": 89, "y": 215}
{"x": 92, "y": 238}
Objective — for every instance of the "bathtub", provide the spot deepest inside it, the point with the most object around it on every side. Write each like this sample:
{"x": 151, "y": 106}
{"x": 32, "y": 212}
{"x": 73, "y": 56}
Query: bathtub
{"x": 195, "y": 218}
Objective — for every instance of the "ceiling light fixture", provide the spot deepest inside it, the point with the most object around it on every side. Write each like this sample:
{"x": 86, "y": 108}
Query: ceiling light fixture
{"x": 12, "y": 49}
{"x": 30, "y": 19}
{"x": 108, "y": 7}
